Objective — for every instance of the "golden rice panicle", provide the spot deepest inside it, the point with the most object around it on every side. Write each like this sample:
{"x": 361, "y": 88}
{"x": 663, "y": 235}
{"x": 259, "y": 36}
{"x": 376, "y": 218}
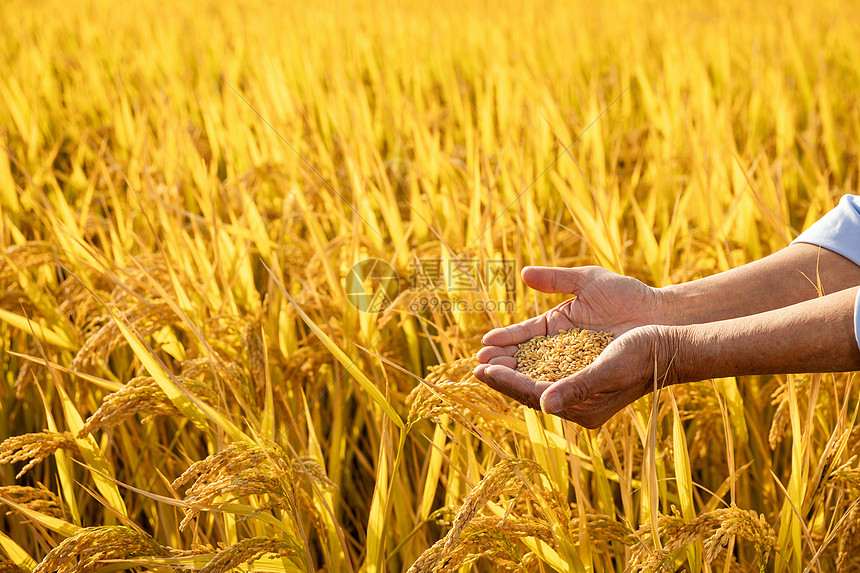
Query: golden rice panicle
{"x": 28, "y": 255}
{"x": 746, "y": 524}
{"x": 232, "y": 460}
{"x": 140, "y": 395}
{"x": 699, "y": 407}
{"x": 89, "y": 549}
{"x": 848, "y": 538}
{"x": 452, "y": 371}
{"x": 253, "y": 343}
{"x": 247, "y": 551}
{"x": 34, "y": 447}
{"x": 240, "y": 469}
{"x": 551, "y": 358}
{"x": 660, "y": 561}
{"x": 490, "y": 538}
{"x": 147, "y": 318}
{"x": 35, "y": 498}
{"x": 455, "y": 378}
{"x": 77, "y": 302}
{"x": 715, "y": 528}
{"x": 847, "y": 474}
{"x": 677, "y": 535}
{"x": 28, "y": 372}
{"x": 486, "y": 537}
{"x": 604, "y": 529}
{"x": 243, "y": 469}
{"x": 507, "y": 477}
{"x": 8, "y": 567}
{"x": 779, "y": 425}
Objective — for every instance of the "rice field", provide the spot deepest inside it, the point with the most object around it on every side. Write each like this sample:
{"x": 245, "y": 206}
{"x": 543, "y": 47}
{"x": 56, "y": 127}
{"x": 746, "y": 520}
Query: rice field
{"x": 202, "y": 372}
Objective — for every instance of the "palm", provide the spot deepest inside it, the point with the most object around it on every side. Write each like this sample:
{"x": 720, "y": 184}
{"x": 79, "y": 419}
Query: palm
{"x": 603, "y": 301}
{"x": 625, "y": 372}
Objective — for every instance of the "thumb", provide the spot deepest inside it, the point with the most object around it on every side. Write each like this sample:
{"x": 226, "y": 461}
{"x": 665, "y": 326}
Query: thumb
{"x": 568, "y": 392}
{"x": 559, "y": 279}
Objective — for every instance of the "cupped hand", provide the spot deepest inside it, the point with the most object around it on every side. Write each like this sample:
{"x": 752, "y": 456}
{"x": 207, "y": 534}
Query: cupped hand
{"x": 603, "y": 301}
{"x": 630, "y": 367}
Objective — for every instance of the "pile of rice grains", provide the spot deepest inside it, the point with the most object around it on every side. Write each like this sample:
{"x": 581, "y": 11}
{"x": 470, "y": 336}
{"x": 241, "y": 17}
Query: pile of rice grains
{"x": 551, "y": 358}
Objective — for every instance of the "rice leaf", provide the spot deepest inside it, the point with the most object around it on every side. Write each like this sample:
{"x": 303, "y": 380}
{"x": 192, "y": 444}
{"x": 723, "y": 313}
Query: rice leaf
{"x": 178, "y": 396}
{"x": 43, "y": 333}
{"x": 684, "y": 479}
{"x": 93, "y": 455}
{"x": 57, "y": 525}
{"x": 16, "y": 553}
{"x": 348, "y": 364}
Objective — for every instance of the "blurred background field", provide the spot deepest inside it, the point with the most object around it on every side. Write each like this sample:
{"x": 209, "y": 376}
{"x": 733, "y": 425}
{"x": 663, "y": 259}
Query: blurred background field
{"x": 185, "y": 188}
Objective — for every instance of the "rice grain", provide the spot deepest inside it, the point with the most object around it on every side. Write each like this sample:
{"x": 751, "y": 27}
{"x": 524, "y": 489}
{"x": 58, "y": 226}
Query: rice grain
{"x": 551, "y": 358}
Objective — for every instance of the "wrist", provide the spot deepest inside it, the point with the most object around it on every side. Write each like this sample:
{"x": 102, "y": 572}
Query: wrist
{"x": 670, "y": 356}
{"x": 668, "y": 306}
{"x": 685, "y": 341}
{"x": 662, "y": 366}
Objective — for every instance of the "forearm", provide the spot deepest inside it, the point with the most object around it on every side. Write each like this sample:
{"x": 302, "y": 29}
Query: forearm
{"x": 817, "y": 335}
{"x": 787, "y": 277}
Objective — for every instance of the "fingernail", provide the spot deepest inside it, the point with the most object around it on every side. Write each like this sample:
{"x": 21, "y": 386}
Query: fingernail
{"x": 550, "y": 403}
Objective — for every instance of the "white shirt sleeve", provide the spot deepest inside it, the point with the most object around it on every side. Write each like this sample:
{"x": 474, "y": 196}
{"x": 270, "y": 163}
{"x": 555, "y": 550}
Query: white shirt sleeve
{"x": 839, "y": 231}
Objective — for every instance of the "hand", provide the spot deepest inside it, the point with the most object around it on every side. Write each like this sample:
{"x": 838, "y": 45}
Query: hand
{"x": 623, "y": 373}
{"x": 604, "y": 301}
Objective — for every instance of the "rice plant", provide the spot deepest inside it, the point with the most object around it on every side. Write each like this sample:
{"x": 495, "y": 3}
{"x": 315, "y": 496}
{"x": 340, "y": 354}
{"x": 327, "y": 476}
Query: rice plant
{"x": 197, "y": 378}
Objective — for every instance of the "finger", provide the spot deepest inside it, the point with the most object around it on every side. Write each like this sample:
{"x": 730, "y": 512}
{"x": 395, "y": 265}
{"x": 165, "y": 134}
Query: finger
{"x": 514, "y": 384}
{"x": 487, "y": 353}
{"x": 480, "y": 373}
{"x": 505, "y": 375}
{"x": 568, "y": 392}
{"x": 516, "y": 333}
{"x": 559, "y": 280}
{"x": 507, "y": 361}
